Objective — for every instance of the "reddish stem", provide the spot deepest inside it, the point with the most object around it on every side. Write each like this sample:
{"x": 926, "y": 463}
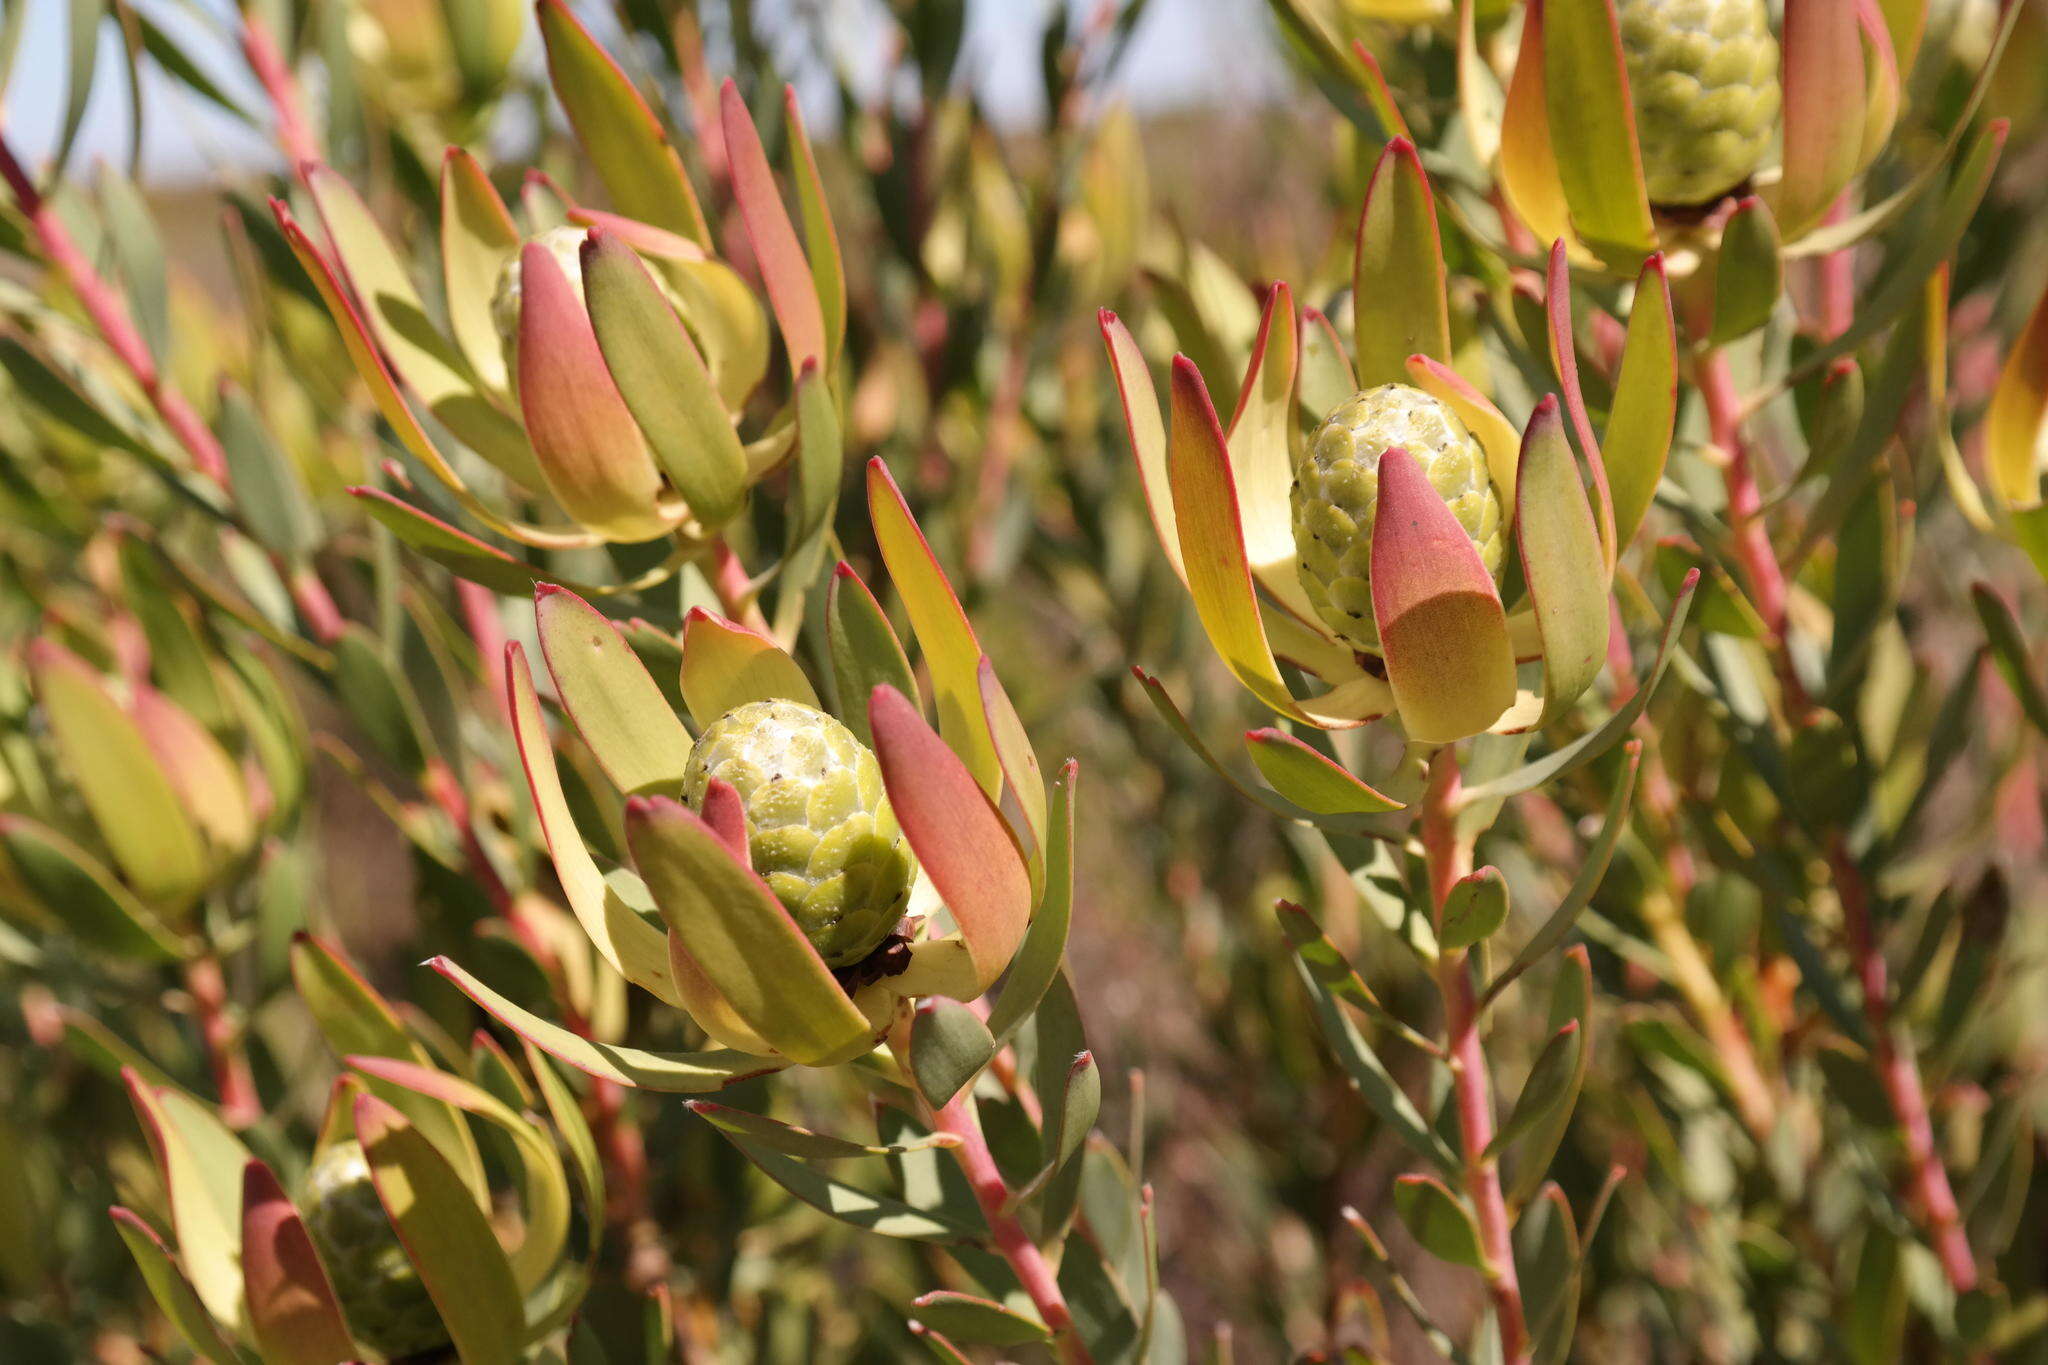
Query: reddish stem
{"x": 1900, "y": 1072}
{"x": 1837, "y": 271}
{"x": 1449, "y": 858}
{"x": 959, "y": 1118}
{"x": 239, "y": 1105}
{"x": 446, "y": 792}
{"x": 110, "y": 317}
{"x": 260, "y": 49}
{"x": 1745, "y": 504}
{"x": 487, "y": 632}
{"x": 735, "y": 590}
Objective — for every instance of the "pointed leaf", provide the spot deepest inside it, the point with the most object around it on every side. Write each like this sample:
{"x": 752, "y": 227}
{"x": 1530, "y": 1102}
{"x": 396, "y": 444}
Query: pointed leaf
{"x": 1439, "y": 1220}
{"x": 949, "y": 1045}
{"x": 478, "y": 239}
{"x": 1550, "y": 1084}
{"x": 785, "y": 270}
{"x": 172, "y": 1291}
{"x": 1475, "y": 909}
{"x": 82, "y": 895}
{"x": 1311, "y": 779}
{"x": 1637, "y": 440}
{"x": 821, "y": 241}
{"x": 1571, "y": 998}
{"x": 1593, "y": 129}
{"x": 876, "y": 1213}
{"x": 1748, "y": 272}
{"x": 200, "y": 1162}
{"x": 2016, "y": 423}
{"x": 1262, "y": 440}
{"x": 977, "y": 1320}
{"x": 802, "y": 1143}
{"x": 738, "y": 934}
{"x": 1439, "y": 615}
{"x": 1561, "y": 558}
{"x": 1529, "y": 175}
{"x": 607, "y": 692}
{"x": 663, "y": 380}
{"x": 864, "y": 648}
{"x": 1045, "y": 942}
{"x": 727, "y": 665}
{"x": 1398, "y": 303}
{"x": 1147, "y": 431}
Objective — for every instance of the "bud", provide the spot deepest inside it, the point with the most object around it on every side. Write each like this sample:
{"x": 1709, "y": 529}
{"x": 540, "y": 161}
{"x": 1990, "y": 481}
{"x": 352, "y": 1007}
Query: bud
{"x": 1703, "y": 77}
{"x": 1336, "y": 493}
{"x": 565, "y": 244}
{"x": 820, "y": 830}
{"x": 387, "y": 1305}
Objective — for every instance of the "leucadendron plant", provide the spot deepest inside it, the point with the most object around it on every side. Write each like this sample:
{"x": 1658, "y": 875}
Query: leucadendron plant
{"x": 817, "y": 887}
{"x": 393, "y": 1238}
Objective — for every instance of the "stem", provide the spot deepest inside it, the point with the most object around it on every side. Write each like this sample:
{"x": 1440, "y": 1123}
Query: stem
{"x": 1745, "y": 505}
{"x": 110, "y": 317}
{"x": 1900, "y": 1072}
{"x": 1837, "y": 271}
{"x": 260, "y": 50}
{"x": 204, "y": 980}
{"x": 1449, "y": 858}
{"x": 959, "y": 1118}
{"x": 735, "y": 591}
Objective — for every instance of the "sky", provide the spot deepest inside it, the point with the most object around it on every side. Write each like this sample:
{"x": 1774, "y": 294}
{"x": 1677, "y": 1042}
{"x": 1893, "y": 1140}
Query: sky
{"x": 1185, "y": 51}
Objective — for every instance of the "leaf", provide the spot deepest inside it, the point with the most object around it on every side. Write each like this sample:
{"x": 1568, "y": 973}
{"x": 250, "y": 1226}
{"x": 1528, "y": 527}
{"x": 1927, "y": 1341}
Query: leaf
{"x": 1439, "y": 615}
{"x": 864, "y": 650}
{"x": 803, "y": 1143}
{"x": 1439, "y": 1220}
{"x": 575, "y": 1134}
{"x": 1475, "y": 909}
{"x": 727, "y": 665}
{"x": 1637, "y": 440}
{"x": 1326, "y": 375}
{"x": 445, "y": 1236}
{"x": 785, "y": 270}
{"x": 2016, "y": 423}
{"x": 1596, "y": 742}
{"x": 478, "y": 240}
{"x": 2009, "y": 652}
{"x": 821, "y": 242}
{"x": 663, "y": 381}
{"x": 1399, "y": 307}
{"x": 1022, "y": 799}
{"x": 871, "y": 1212}
{"x": 949, "y": 1045}
{"x": 1564, "y": 358}
{"x": 1262, "y": 439}
{"x": 453, "y": 549}
{"x": 737, "y": 933}
{"x": 978, "y": 1320}
{"x": 617, "y": 708}
{"x": 1550, "y": 1084}
{"x": 1497, "y": 435}
{"x": 172, "y": 1291}
{"x": 820, "y": 462}
{"x": 1571, "y": 998}
{"x": 1308, "y": 778}
{"x": 1562, "y": 561}
{"x": 1148, "y": 431}
{"x": 357, "y": 1021}
{"x": 133, "y": 802}
{"x": 1553, "y": 930}
{"x": 379, "y": 699}
{"x": 589, "y": 449}
{"x": 1038, "y": 958}
{"x": 668, "y": 1072}
{"x": 619, "y": 133}
{"x": 959, "y": 838}
{"x": 1748, "y": 274}
{"x": 944, "y": 634}
{"x": 200, "y": 1162}
{"x": 1529, "y": 176}
{"x": 82, "y": 895}
{"x": 293, "y": 1313}
{"x": 1824, "y": 99}
{"x": 1593, "y": 129}
{"x": 1368, "y": 1074}
{"x": 268, "y": 491}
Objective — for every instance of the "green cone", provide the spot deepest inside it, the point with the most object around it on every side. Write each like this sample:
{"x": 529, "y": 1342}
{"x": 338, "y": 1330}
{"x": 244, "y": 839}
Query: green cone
{"x": 387, "y": 1305}
{"x": 1703, "y": 75}
{"x": 818, "y": 823}
{"x": 1337, "y": 486}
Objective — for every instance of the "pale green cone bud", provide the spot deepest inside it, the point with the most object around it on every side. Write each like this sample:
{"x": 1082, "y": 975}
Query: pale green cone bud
{"x": 819, "y": 827}
{"x": 387, "y": 1306}
{"x": 565, "y": 244}
{"x": 1336, "y": 492}
{"x": 1703, "y": 76}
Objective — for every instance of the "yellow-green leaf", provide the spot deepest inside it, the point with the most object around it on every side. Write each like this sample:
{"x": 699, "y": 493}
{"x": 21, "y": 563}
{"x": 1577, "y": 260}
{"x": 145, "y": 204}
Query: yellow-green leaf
{"x": 616, "y": 705}
{"x": 726, "y": 665}
{"x": 1561, "y": 559}
{"x": 1398, "y": 303}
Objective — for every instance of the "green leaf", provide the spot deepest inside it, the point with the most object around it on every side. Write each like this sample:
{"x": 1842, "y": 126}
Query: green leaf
{"x": 293, "y": 1313}
{"x": 1553, "y": 930}
{"x": 735, "y": 930}
{"x": 617, "y": 708}
{"x": 785, "y": 270}
{"x": 1475, "y": 909}
{"x": 802, "y": 1143}
{"x": 138, "y": 810}
{"x": 268, "y": 491}
{"x": 1748, "y": 276}
{"x": 1438, "y": 1220}
{"x": 478, "y": 240}
{"x": 1398, "y": 303}
{"x": 1824, "y": 109}
{"x": 864, "y": 650}
{"x": 574, "y": 1131}
{"x": 726, "y": 665}
{"x": 684, "y": 1073}
{"x": 200, "y": 1162}
{"x": 821, "y": 242}
{"x": 1562, "y": 560}
{"x": 864, "y": 1209}
{"x": 1637, "y": 440}
{"x": 1309, "y": 778}
{"x": 82, "y": 895}
{"x": 977, "y": 1320}
{"x": 455, "y": 550}
{"x": 1571, "y": 998}
{"x": 1593, "y": 128}
{"x": 1038, "y": 958}
{"x": 172, "y": 1291}
{"x": 445, "y": 1235}
{"x": 377, "y": 697}
{"x": 619, "y": 133}
{"x": 1552, "y": 1082}
{"x": 949, "y": 1045}
{"x": 2010, "y": 653}
{"x": 664, "y": 381}
{"x": 357, "y": 1021}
